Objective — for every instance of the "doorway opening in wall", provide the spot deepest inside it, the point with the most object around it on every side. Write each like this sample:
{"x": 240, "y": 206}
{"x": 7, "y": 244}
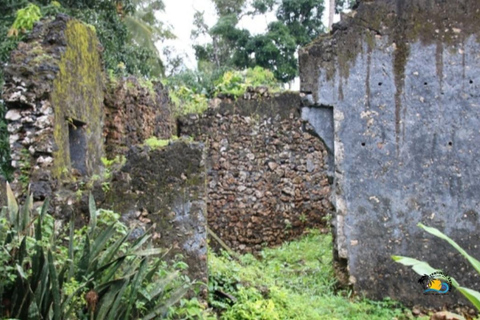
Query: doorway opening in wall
{"x": 77, "y": 141}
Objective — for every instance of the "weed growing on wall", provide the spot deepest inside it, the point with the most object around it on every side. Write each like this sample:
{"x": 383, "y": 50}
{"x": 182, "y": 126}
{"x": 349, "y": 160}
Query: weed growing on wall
{"x": 155, "y": 143}
{"x": 24, "y": 20}
{"x": 187, "y": 101}
{"x": 235, "y": 83}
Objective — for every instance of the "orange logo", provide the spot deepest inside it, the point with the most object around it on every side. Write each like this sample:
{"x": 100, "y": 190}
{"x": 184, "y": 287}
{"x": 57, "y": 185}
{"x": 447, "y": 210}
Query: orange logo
{"x": 436, "y": 283}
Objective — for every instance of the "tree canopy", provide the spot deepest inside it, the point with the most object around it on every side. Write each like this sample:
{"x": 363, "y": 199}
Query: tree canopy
{"x": 298, "y": 23}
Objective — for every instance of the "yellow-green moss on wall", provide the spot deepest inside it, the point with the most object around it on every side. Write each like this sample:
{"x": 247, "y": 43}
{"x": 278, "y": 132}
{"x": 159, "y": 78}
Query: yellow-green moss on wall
{"x": 78, "y": 94}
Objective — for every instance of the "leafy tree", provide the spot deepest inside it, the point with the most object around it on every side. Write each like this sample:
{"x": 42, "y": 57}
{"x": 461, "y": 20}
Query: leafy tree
{"x": 145, "y": 30}
{"x": 303, "y": 19}
{"x": 298, "y": 23}
{"x": 342, "y": 5}
{"x": 229, "y": 7}
{"x": 275, "y": 50}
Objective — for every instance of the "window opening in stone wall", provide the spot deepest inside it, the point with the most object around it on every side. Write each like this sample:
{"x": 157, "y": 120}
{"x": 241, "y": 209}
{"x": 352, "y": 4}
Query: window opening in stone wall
{"x": 77, "y": 140}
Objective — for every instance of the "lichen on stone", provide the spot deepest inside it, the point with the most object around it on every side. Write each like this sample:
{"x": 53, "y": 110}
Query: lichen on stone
{"x": 78, "y": 94}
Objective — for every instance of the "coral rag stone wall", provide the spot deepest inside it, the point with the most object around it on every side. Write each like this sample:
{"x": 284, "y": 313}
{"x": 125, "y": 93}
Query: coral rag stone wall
{"x": 54, "y": 95}
{"x": 135, "y": 111}
{"x": 60, "y": 120}
{"x": 61, "y": 116}
{"x": 266, "y": 175}
{"x": 403, "y": 80}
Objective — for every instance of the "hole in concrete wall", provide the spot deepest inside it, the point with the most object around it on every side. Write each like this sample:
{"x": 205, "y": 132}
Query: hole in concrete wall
{"x": 425, "y": 83}
{"x": 363, "y": 144}
{"x": 380, "y": 83}
{"x": 450, "y": 143}
{"x": 77, "y": 140}
{"x": 471, "y": 81}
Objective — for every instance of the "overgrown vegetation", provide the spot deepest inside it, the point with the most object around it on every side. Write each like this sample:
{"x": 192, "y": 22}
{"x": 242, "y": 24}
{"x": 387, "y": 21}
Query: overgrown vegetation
{"x": 294, "y": 281}
{"x": 191, "y": 96}
{"x": 96, "y": 272}
{"x": 423, "y": 268}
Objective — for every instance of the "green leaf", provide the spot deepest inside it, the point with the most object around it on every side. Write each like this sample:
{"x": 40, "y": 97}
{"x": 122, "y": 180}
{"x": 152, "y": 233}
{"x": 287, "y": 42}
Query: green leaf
{"x": 67, "y": 300}
{"x": 108, "y": 271}
{"x": 42, "y": 285}
{"x": 152, "y": 271}
{"x": 113, "y": 250}
{"x": 12, "y": 206}
{"x": 419, "y": 267}
{"x": 100, "y": 241}
{"x": 474, "y": 262}
{"x": 138, "y": 243}
{"x": 21, "y": 272}
{"x": 93, "y": 213}
{"x": 33, "y": 312}
{"x": 472, "y": 295}
{"x": 161, "y": 284}
{"x": 422, "y": 268}
{"x": 55, "y": 287}
{"x": 137, "y": 281}
{"x": 43, "y": 212}
{"x": 163, "y": 307}
{"x": 107, "y": 300}
{"x": 84, "y": 262}
{"x": 71, "y": 253}
{"x": 148, "y": 252}
{"x": 115, "y": 309}
{"x": 22, "y": 251}
{"x": 25, "y": 219}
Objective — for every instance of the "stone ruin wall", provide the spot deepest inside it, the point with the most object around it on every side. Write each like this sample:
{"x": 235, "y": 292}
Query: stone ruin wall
{"x": 55, "y": 87}
{"x": 55, "y": 83}
{"x": 134, "y": 112}
{"x": 42, "y": 99}
{"x": 267, "y": 180}
{"x": 401, "y": 78}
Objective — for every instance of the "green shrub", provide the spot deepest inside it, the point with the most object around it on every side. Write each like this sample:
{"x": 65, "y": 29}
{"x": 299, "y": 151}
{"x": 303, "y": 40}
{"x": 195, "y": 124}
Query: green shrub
{"x": 186, "y": 101}
{"x": 25, "y": 18}
{"x": 96, "y": 272}
{"x": 190, "y": 90}
{"x": 423, "y": 268}
{"x": 236, "y": 83}
{"x": 155, "y": 143}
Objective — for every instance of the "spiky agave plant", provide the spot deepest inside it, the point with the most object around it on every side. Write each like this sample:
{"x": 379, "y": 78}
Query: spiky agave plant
{"x": 98, "y": 273}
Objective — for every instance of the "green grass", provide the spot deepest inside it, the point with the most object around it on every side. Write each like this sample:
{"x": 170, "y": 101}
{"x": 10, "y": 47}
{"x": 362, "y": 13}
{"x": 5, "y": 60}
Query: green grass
{"x": 294, "y": 281}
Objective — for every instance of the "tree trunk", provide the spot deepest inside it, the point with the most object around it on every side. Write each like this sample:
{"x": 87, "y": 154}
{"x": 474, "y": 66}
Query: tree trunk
{"x": 331, "y": 13}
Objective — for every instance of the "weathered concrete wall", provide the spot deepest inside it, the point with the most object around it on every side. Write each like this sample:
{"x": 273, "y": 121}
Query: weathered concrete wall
{"x": 403, "y": 80}
{"x": 134, "y": 111}
{"x": 266, "y": 176}
{"x": 165, "y": 189}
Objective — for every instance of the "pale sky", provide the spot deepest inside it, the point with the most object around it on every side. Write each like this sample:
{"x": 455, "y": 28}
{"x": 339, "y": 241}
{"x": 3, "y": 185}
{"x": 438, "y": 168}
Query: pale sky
{"x": 179, "y": 14}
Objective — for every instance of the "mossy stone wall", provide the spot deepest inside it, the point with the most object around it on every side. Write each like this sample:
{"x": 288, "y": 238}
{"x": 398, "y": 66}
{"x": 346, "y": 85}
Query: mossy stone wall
{"x": 54, "y": 81}
{"x": 77, "y": 95}
{"x": 165, "y": 189}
